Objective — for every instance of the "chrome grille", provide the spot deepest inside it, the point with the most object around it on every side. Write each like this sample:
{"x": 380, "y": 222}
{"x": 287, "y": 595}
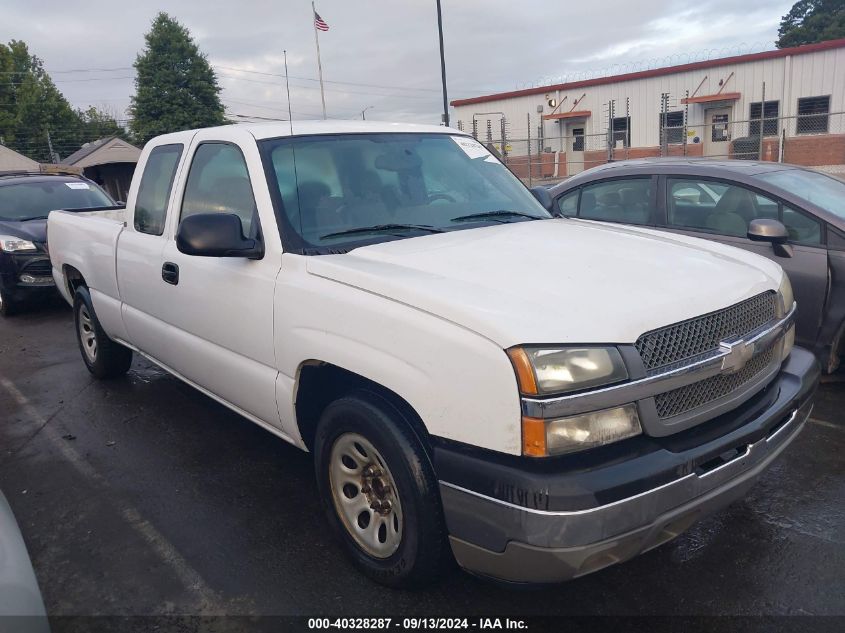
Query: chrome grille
{"x": 691, "y": 338}
{"x": 700, "y": 393}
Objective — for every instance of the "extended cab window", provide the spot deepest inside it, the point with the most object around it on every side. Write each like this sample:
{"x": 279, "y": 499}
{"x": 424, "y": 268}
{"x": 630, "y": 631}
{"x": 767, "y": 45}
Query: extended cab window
{"x": 218, "y": 182}
{"x": 625, "y": 200}
{"x": 154, "y": 190}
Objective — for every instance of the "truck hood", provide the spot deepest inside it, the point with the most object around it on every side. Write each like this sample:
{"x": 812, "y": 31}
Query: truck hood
{"x": 32, "y": 230}
{"x": 555, "y": 281}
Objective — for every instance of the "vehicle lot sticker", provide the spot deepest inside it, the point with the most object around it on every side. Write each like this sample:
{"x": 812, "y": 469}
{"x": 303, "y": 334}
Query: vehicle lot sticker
{"x": 77, "y": 185}
{"x": 471, "y": 147}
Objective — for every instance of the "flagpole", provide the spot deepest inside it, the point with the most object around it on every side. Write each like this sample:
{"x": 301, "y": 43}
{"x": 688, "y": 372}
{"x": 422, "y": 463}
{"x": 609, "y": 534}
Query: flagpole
{"x": 319, "y": 63}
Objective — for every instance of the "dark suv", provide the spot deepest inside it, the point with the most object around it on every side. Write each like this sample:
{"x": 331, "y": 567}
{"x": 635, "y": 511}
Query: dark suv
{"x": 25, "y": 201}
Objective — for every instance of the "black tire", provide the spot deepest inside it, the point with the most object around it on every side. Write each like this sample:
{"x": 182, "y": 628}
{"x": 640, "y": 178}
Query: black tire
{"x": 7, "y": 306}
{"x": 423, "y": 551}
{"x": 109, "y": 359}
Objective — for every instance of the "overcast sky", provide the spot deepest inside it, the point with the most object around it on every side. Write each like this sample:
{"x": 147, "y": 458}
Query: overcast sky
{"x": 382, "y": 53}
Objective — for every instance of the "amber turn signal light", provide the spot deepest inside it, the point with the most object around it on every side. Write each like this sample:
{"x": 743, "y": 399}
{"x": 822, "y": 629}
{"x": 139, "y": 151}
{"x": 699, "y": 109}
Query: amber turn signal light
{"x": 534, "y": 437}
{"x": 524, "y": 371}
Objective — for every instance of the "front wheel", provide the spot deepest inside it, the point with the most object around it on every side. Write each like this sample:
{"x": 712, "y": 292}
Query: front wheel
{"x": 379, "y": 491}
{"x": 103, "y": 357}
{"x": 7, "y": 306}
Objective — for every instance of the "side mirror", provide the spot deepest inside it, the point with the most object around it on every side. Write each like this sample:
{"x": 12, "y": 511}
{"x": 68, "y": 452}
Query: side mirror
{"x": 772, "y": 231}
{"x": 216, "y": 235}
{"x": 763, "y": 230}
{"x": 544, "y": 197}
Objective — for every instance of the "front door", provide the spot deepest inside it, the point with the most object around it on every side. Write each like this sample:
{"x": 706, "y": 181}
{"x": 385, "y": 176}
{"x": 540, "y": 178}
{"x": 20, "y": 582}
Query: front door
{"x": 220, "y": 309}
{"x": 575, "y": 148}
{"x": 717, "y": 132}
{"x": 721, "y": 210}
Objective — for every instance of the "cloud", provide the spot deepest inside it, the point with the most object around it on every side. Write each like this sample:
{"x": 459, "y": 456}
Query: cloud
{"x": 379, "y": 53}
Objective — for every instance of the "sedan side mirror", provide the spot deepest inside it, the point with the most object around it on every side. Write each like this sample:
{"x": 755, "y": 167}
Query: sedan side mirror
{"x": 216, "y": 235}
{"x": 544, "y": 197}
{"x": 772, "y": 231}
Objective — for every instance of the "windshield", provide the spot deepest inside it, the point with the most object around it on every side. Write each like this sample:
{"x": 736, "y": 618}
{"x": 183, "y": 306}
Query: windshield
{"x": 338, "y": 192}
{"x": 818, "y": 189}
{"x": 28, "y": 200}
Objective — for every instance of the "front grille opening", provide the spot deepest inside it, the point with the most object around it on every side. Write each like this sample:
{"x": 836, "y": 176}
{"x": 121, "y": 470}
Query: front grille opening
{"x": 700, "y": 393}
{"x": 721, "y": 460}
{"x": 691, "y": 338}
{"x": 777, "y": 427}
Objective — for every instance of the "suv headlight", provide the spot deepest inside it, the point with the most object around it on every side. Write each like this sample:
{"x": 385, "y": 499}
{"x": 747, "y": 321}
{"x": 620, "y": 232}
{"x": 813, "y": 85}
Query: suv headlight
{"x": 543, "y": 371}
{"x": 785, "y": 296}
{"x": 15, "y": 244}
{"x": 785, "y": 302}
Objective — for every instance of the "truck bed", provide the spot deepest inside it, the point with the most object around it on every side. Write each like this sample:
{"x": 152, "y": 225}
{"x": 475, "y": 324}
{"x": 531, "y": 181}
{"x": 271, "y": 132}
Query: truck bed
{"x": 86, "y": 241}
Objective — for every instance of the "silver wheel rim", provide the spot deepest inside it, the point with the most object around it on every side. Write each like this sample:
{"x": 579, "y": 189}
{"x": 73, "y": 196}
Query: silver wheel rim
{"x": 365, "y": 495}
{"x": 87, "y": 335}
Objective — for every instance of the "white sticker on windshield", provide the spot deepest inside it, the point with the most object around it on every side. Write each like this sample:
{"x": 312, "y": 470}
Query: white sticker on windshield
{"x": 471, "y": 147}
{"x": 77, "y": 185}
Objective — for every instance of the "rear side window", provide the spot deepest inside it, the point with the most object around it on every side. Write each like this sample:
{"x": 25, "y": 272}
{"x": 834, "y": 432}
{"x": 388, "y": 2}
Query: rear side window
{"x": 219, "y": 183}
{"x": 154, "y": 191}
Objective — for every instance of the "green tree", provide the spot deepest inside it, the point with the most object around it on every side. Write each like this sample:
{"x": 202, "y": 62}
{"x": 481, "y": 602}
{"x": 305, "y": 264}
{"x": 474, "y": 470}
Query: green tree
{"x": 812, "y": 21}
{"x": 35, "y": 114}
{"x": 175, "y": 87}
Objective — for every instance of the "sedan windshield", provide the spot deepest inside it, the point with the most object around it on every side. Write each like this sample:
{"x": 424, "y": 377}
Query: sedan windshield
{"x": 819, "y": 189}
{"x": 338, "y": 192}
{"x": 30, "y": 200}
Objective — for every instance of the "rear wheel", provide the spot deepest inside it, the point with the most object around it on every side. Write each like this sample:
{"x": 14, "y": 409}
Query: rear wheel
{"x": 379, "y": 491}
{"x": 102, "y": 356}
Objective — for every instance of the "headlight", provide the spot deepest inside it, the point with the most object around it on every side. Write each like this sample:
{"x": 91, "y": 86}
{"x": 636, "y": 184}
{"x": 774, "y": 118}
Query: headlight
{"x": 785, "y": 297}
{"x": 15, "y": 244}
{"x": 545, "y": 371}
{"x": 541, "y": 438}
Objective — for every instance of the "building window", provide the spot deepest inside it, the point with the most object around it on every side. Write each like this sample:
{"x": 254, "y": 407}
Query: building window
{"x": 672, "y": 127}
{"x": 813, "y": 115}
{"x": 621, "y": 127}
{"x": 770, "y": 118}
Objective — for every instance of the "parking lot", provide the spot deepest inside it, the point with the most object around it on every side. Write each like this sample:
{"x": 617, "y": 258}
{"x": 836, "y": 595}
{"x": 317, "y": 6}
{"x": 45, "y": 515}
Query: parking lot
{"x": 142, "y": 496}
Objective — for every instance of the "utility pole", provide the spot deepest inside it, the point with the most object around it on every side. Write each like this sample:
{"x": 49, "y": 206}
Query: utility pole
{"x": 442, "y": 66}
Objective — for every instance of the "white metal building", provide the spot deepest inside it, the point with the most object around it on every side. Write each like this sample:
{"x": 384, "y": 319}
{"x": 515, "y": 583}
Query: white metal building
{"x": 700, "y": 108}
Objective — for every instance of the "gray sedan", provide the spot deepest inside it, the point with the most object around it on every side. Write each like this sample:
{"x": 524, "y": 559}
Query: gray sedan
{"x": 792, "y": 215}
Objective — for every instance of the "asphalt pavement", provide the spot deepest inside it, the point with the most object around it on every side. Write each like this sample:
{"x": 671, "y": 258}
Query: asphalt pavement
{"x": 141, "y": 496}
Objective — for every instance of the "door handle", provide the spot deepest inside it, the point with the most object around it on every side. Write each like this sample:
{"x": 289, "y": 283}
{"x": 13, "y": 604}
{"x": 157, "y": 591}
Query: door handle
{"x": 170, "y": 273}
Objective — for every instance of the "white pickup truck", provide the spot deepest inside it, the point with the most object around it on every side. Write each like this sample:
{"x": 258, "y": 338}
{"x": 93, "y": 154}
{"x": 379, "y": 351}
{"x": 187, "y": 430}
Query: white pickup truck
{"x": 537, "y": 397}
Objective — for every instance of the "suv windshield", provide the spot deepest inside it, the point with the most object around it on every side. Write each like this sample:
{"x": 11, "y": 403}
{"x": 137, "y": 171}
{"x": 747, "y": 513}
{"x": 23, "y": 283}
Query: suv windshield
{"x": 819, "y": 189}
{"x": 335, "y": 192}
{"x": 29, "y": 200}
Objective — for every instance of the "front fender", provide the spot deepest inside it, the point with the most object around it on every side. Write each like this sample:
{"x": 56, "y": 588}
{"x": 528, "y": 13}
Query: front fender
{"x": 460, "y": 384}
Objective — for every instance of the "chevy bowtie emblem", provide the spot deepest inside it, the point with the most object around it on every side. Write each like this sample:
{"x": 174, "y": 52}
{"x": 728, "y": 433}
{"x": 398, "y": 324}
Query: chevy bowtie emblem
{"x": 737, "y": 354}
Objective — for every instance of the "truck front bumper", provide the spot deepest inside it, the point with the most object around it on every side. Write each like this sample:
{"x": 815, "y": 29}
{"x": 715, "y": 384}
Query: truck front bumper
{"x": 521, "y": 520}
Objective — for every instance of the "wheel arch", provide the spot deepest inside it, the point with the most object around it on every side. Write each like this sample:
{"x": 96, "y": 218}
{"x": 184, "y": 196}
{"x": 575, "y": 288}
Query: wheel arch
{"x": 319, "y": 383}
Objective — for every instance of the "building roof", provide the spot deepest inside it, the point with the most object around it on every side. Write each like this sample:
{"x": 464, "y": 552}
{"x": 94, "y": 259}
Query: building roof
{"x": 105, "y": 150}
{"x": 658, "y": 72}
{"x": 10, "y": 160}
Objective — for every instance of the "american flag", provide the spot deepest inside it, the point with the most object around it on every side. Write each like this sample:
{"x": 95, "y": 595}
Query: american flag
{"x": 319, "y": 23}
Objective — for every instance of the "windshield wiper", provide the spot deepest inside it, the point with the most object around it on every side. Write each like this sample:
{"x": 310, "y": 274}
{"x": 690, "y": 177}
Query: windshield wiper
{"x": 502, "y": 213}
{"x": 379, "y": 228}
{"x": 36, "y": 217}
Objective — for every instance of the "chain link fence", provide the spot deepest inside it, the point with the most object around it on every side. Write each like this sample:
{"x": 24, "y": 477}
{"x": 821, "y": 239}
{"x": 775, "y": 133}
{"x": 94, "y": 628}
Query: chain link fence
{"x": 538, "y": 157}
